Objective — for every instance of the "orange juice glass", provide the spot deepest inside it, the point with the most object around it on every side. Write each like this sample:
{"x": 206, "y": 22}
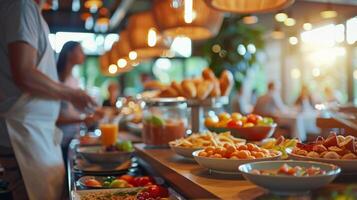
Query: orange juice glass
{"x": 109, "y": 134}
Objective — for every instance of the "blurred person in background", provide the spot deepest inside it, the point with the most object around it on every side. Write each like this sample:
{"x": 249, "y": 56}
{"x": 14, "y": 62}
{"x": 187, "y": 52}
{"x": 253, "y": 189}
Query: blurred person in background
{"x": 239, "y": 102}
{"x": 270, "y": 104}
{"x": 113, "y": 94}
{"x": 30, "y": 148}
{"x": 331, "y": 95}
{"x": 305, "y": 101}
{"x": 254, "y": 96}
{"x": 70, "y": 118}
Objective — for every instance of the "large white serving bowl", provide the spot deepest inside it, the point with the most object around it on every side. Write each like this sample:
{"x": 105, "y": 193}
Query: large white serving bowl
{"x": 95, "y": 154}
{"x": 347, "y": 165}
{"x": 283, "y": 184}
{"x": 223, "y": 165}
{"x": 183, "y": 151}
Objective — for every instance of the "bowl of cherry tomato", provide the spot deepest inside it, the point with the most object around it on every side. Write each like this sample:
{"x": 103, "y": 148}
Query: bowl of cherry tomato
{"x": 286, "y": 177}
{"x": 250, "y": 127}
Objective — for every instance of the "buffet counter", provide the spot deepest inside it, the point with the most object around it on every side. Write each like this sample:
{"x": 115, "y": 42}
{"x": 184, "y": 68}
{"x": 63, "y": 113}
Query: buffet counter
{"x": 195, "y": 182}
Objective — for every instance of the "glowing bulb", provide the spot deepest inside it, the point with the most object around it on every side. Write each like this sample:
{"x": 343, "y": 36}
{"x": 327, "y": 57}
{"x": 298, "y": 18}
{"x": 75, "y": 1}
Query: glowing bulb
{"x": 112, "y": 69}
{"x": 281, "y": 17}
{"x": 188, "y": 11}
{"x": 293, "y": 40}
{"x": 93, "y": 4}
{"x": 328, "y": 14}
{"x": 133, "y": 55}
{"x": 290, "y": 22}
{"x": 295, "y": 73}
{"x": 152, "y": 37}
{"x": 216, "y": 48}
{"x": 316, "y": 72}
{"x": 241, "y": 49}
{"x": 307, "y": 26}
{"x": 122, "y": 63}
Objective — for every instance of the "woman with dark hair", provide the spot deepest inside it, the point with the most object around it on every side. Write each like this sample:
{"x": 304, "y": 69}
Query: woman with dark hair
{"x": 70, "y": 119}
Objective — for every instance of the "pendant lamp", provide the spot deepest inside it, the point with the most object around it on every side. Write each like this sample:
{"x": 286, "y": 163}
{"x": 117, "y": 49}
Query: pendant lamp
{"x": 106, "y": 67}
{"x": 249, "y": 6}
{"x": 144, "y": 36}
{"x": 189, "y": 18}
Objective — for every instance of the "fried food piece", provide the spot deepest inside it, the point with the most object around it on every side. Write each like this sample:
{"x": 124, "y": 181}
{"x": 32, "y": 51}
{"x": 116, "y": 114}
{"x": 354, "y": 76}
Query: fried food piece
{"x": 204, "y": 89}
{"x": 226, "y": 82}
{"x": 189, "y": 89}
{"x": 208, "y": 74}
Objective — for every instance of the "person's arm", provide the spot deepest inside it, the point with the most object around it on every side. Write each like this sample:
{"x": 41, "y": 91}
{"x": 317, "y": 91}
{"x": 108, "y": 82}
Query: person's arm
{"x": 23, "y": 57}
{"x": 65, "y": 120}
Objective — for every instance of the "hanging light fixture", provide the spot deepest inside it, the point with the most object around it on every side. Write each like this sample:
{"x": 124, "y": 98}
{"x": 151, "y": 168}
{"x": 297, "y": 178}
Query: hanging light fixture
{"x": 120, "y": 54}
{"x": 144, "y": 36}
{"x": 93, "y": 4}
{"x": 290, "y": 22}
{"x": 188, "y": 18}
{"x": 249, "y": 6}
{"x": 107, "y": 68}
{"x": 281, "y": 16}
{"x": 329, "y": 12}
{"x": 307, "y": 26}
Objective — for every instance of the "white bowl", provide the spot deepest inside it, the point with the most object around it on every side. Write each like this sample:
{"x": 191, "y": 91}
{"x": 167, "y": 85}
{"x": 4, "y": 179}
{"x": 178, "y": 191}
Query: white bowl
{"x": 184, "y": 151}
{"x": 95, "y": 154}
{"x": 283, "y": 184}
{"x": 347, "y": 165}
{"x": 223, "y": 165}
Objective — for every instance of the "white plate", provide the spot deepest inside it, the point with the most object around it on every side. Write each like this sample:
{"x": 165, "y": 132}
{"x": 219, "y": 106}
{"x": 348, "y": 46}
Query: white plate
{"x": 289, "y": 184}
{"x": 96, "y": 154}
{"x": 349, "y": 165}
{"x": 184, "y": 151}
{"x": 226, "y": 165}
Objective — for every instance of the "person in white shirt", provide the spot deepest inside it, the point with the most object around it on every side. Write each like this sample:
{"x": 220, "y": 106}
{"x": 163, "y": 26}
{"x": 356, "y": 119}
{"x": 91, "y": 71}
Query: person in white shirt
{"x": 270, "y": 104}
{"x": 30, "y": 96}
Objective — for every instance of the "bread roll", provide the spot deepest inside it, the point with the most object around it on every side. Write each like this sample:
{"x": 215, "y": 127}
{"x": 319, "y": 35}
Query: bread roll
{"x": 208, "y": 74}
{"x": 197, "y": 81}
{"x": 154, "y": 85}
{"x": 178, "y": 88}
{"x": 226, "y": 82}
{"x": 168, "y": 92}
{"x": 189, "y": 89}
{"x": 216, "y": 91}
{"x": 204, "y": 89}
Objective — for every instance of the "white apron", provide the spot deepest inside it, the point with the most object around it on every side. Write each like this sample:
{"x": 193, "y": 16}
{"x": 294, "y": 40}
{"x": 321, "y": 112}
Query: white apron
{"x": 36, "y": 140}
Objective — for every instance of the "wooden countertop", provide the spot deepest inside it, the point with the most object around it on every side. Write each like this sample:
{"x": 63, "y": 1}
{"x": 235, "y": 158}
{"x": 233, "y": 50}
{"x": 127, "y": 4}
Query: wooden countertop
{"x": 196, "y": 182}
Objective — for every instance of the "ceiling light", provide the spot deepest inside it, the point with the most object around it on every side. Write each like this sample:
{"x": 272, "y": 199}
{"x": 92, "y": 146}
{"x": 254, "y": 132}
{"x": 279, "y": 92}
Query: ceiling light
{"x": 290, "y": 22}
{"x": 328, "y": 14}
{"x": 133, "y": 55}
{"x": 122, "y": 63}
{"x": 112, "y": 69}
{"x": 293, "y": 40}
{"x": 316, "y": 72}
{"x": 248, "y": 6}
{"x": 93, "y": 4}
{"x": 250, "y": 19}
{"x": 216, "y": 48}
{"x": 307, "y": 26}
{"x": 295, "y": 73}
{"x": 281, "y": 17}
